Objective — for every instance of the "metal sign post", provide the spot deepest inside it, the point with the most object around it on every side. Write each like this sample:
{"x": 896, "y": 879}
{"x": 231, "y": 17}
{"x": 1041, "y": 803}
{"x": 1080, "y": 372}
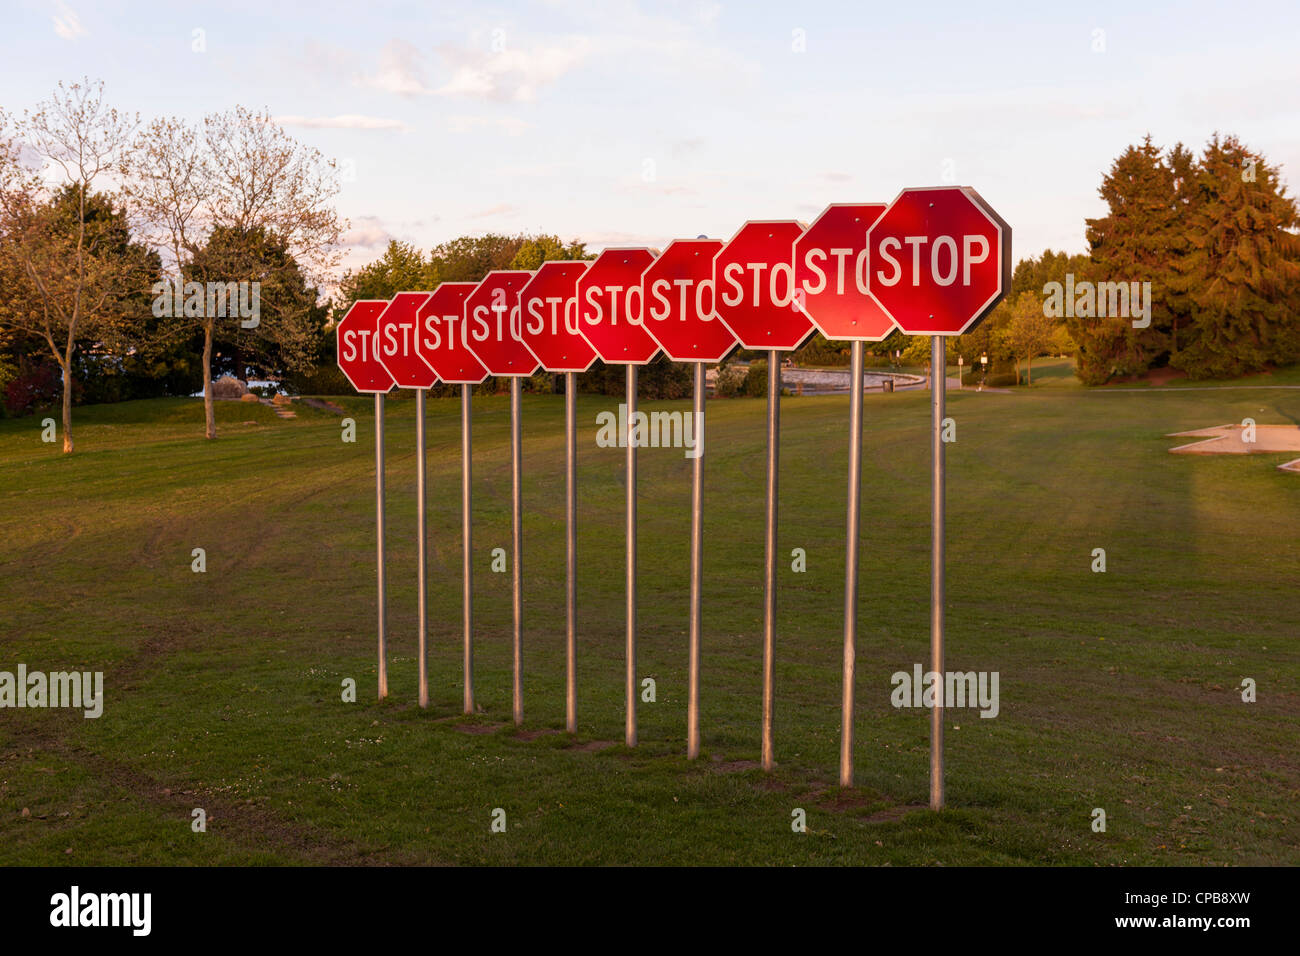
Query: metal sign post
{"x": 952, "y": 232}
{"x": 548, "y": 307}
{"x": 490, "y": 331}
{"x": 830, "y": 273}
{"x": 851, "y": 568}
{"x": 356, "y": 339}
{"x": 422, "y": 547}
{"x": 571, "y": 551}
{"x": 615, "y": 329}
{"x": 446, "y": 353}
{"x": 697, "y": 572}
{"x": 764, "y": 316}
{"x": 629, "y": 729}
{"x": 937, "y": 384}
{"x": 517, "y": 536}
{"x": 769, "y": 552}
{"x": 379, "y": 538}
{"x": 467, "y": 564}
{"x": 399, "y": 353}
{"x": 674, "y": 288}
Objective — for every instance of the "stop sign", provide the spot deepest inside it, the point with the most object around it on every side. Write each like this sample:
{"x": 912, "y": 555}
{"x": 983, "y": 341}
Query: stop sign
{"x": 397, "y": 326}
{"x": 677, "y": 291}
{"x": 940, "y": 260}
{"x": 548, "y": 307}
{"x": 492, "y": 320}
{"x": 609, "y": 306}
{"x": 357, "y": 340}
{"x": 753, "y": 280}
{"x": 441, "y": 338}
{"x": 830, "y": 274}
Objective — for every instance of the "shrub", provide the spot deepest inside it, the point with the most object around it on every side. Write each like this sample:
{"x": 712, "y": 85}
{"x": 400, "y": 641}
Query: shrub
{"x": 35, "y": 386}
{"x": 730, "y": 381}
{"x": 229, "y": 388}
{"x": 1002, "y": 375}
{"x": 818, "y": 351}
{"x": 756, "y": 380}
{"x": 321, "y": 380}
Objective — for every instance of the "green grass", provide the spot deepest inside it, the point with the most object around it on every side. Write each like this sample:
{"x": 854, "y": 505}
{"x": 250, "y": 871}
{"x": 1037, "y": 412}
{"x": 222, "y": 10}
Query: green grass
{"x": 1118, "y": 690}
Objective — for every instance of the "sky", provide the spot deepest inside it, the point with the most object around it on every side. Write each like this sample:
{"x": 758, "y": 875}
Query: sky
{"x": 630, "y": 122}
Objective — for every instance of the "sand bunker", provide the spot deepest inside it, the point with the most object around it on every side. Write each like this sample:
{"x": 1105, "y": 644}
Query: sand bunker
{"x": 1231, "y": 440}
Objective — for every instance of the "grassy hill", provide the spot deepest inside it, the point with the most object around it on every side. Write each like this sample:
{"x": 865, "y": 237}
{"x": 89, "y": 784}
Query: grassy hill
{"x": 1118, "y": 690}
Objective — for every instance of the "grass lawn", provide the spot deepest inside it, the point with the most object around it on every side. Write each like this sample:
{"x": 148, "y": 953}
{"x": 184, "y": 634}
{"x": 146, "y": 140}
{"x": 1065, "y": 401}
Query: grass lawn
{"x": 1118, "y": 690}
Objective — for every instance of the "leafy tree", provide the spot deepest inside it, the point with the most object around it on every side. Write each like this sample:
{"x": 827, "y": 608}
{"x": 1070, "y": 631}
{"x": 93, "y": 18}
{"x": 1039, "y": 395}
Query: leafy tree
{"x": 66, "y": 271}
{"x": 1242, "y": 272}
{"x": 240, "y": 172}
{"x": 1136, "y": 241}
{"x": 288, "y": 329}
{"x": 1028, "y": 332}
{"x": 538, "y": 249}
{"x": 402, "y": 268}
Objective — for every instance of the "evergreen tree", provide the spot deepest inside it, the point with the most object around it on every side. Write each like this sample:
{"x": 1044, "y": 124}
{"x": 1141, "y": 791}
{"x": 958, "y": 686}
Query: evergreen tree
{"x": 1135, "y": 241}
{"x": 1241, "y": 273}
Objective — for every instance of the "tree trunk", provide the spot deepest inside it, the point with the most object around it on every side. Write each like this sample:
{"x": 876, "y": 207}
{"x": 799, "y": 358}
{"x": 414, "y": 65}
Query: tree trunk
{"x": 209, "y": 413}
{"x": 67, "y": 408}
{"x": 1031, "y": 370}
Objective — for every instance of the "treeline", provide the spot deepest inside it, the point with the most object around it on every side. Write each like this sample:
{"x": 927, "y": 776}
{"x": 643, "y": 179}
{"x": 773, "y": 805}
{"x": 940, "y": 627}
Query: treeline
{"x": 131, "y": 254}
{"x": 1201, "y": 252}
{"x": 139, "y": 259}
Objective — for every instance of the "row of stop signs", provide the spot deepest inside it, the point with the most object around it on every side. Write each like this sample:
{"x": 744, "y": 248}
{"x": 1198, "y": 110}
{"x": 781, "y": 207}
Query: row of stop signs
{"x": 933, "y": 262}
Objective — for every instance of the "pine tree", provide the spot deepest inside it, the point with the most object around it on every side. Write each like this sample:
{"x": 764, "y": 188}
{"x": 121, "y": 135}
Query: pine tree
{"x": 1135, "y": 241}
{"x": 1242, "y": 270}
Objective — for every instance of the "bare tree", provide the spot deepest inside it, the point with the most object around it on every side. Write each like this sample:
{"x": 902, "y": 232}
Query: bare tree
{"x": 61, "y": 282}
{"x": 239, "y": 175}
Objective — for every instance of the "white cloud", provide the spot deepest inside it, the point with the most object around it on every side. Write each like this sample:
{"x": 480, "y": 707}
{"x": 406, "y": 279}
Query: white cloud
{"x": 367, "y": 233}
{"x": 346, "y": 121}
{"x": 510, "y": 125}
{"x": 511, "y": 75}
{"x": 399, "y": 71}
{"x": 66, "y": 22}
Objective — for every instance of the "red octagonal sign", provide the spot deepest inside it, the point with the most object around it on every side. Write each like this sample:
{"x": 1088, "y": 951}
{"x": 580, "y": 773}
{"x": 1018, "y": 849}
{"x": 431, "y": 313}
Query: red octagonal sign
{"x": 492, "y": 318}
{"x": 753, "y": 279}
{"x": 678, "y": 293}
{"x": 356, "y": 339}
{"x": 441, "y": 342}
{"x": 939, "y": 260}
{"x": 548, "y": 307}
{"x": 609, "y": 307}
{"x": 830, "y": 274}
{"x": 398, "y": 328}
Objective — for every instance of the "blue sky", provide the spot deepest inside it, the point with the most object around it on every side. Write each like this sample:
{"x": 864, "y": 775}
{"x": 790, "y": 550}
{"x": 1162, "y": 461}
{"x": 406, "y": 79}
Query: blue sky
{"x": 622, "y": 122}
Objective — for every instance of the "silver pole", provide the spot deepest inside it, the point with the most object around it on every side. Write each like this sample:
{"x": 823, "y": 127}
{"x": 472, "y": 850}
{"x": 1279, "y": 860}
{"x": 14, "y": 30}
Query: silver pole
{"x": 379, "y": 537}
{"x": 571, "y": 551}
{"x": 697, "y": 563}
{"x": 630, "y": 724}
{"x": 851, "y": 568}
{"x": 422, "y": 557}
{"x": 467, "y": 557}
{"x": 938, "y": 373}
{"x": 516, "y": 524}
{"x": 769, "y": 575}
